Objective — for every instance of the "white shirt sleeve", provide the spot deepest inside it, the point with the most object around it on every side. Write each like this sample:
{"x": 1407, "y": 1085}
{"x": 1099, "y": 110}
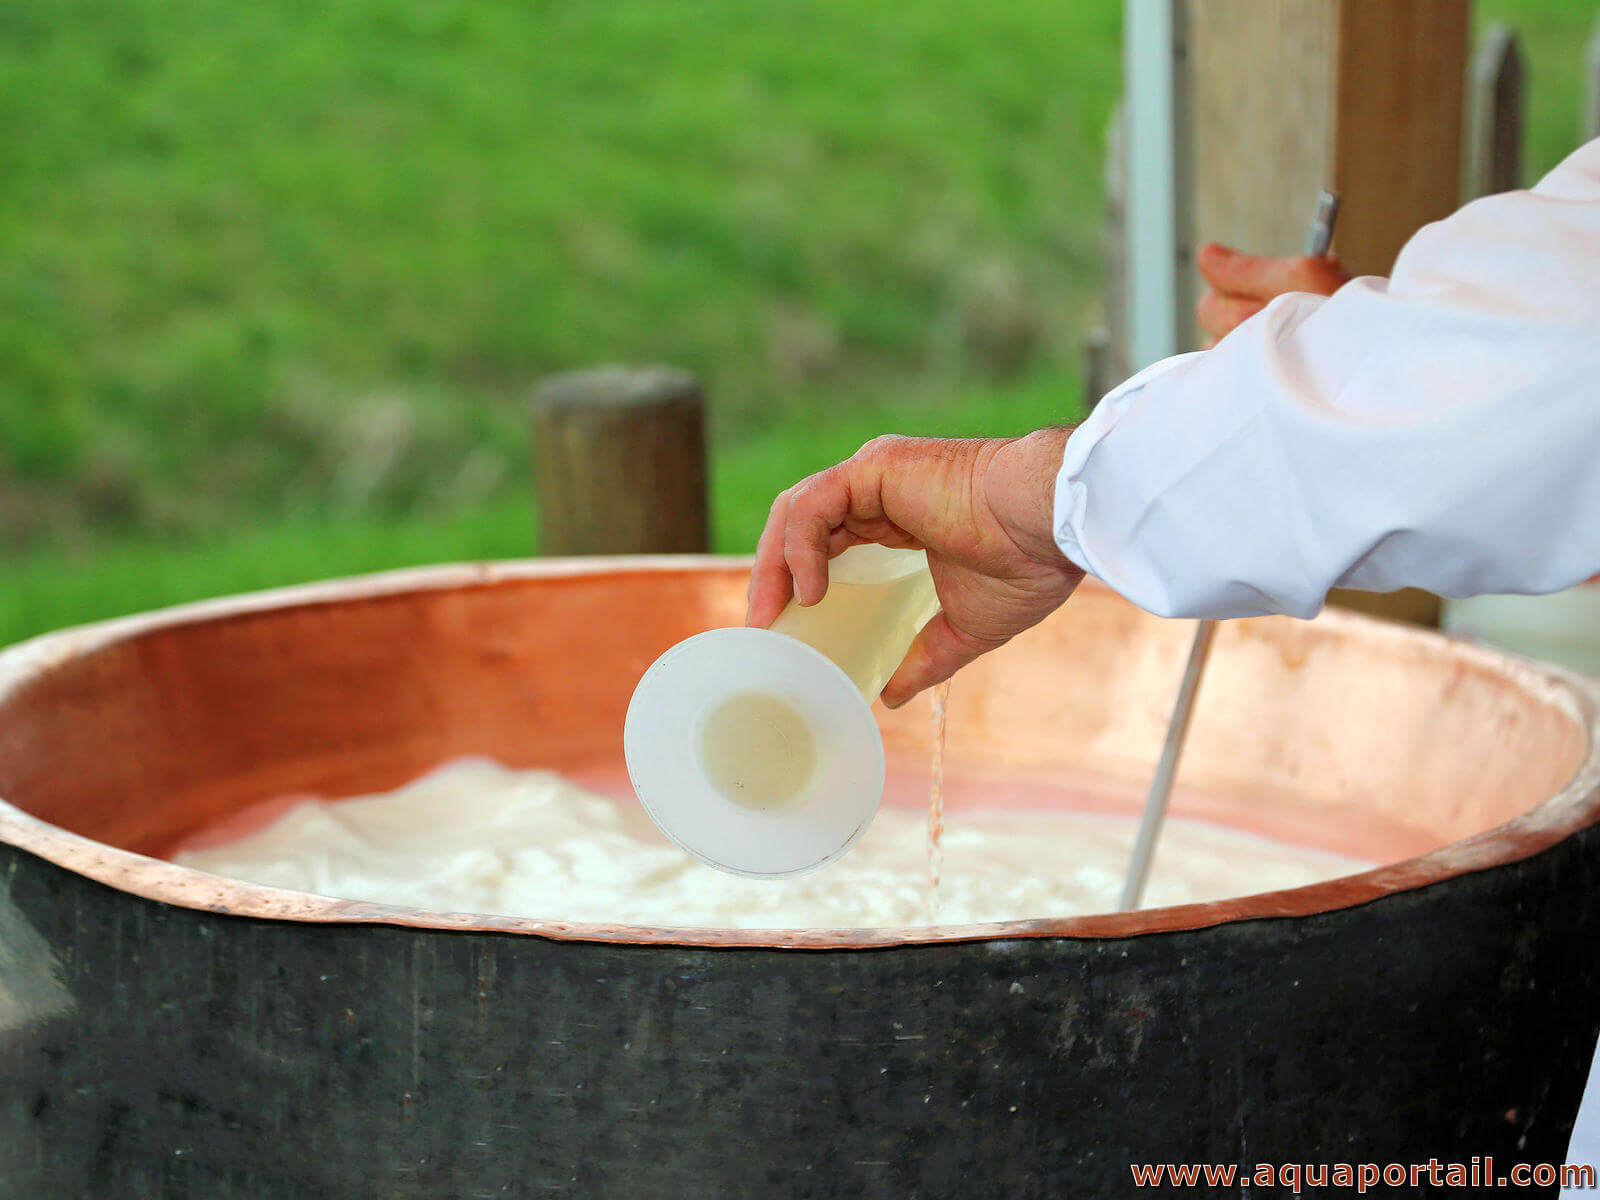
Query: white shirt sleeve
{"x": 1440, "y": 429}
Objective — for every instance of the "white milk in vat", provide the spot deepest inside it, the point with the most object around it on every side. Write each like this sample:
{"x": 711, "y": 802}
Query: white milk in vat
{"x": 474, "y": 836}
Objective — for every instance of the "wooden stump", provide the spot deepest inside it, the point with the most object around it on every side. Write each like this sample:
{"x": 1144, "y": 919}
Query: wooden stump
{"x": 621, "y": 461}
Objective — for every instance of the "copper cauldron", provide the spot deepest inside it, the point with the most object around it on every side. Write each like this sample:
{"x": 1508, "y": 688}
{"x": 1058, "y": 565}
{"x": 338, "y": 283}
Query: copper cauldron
{"x": 167, "y": 1033}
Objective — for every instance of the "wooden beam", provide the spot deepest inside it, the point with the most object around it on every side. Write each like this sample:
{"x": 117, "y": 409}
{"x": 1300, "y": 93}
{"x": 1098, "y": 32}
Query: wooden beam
{"x": 1262, "y": 110}
{"x": 1399, "y": 80}
{"x": 1364, "y": 96}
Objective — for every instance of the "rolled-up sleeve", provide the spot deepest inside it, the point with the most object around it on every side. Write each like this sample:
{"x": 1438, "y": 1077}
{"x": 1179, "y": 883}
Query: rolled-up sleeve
{"x": 1439, "y": 429}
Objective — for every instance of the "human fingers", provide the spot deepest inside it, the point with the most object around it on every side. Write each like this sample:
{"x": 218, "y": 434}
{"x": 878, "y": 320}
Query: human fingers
{"x": 770, "y": 583}
{"x": 817, "y": 510}
{"x": 1220, "y": 314}
{"x": 816, "y": 520}
{"x": 937, "y": 653}
{"x": 1264, "y": 276}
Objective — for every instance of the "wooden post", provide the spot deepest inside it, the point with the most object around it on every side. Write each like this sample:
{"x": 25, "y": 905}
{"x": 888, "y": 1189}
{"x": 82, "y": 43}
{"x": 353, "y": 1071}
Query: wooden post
{"x": 1495, "y": 158}
{"x": 1106, "y": 349}
{"x": 1362, "y": 96}
{"x": 621, "y": 460}
{"x": 1591, "y": 84}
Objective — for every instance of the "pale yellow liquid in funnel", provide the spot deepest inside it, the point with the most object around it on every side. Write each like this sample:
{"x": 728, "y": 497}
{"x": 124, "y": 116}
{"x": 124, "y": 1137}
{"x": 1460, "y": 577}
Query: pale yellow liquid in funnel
{"x": 878, "y": 600}
{"x": 757, "y": 751}
{"x": 756, "y": 748}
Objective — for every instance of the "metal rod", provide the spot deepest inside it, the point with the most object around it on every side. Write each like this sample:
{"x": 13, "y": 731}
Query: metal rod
{"x": 1155, "y": 807}
{"x": 1318, "y": 238}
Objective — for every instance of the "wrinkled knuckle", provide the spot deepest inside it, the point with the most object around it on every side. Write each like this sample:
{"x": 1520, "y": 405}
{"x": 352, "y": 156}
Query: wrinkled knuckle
{"x": 982, "y": 644}
{"x": 884, "y": 443}
{"x": 794, "y": 550}
{"x": 805, "y": 533}
{"x": 969, "y": 644}
{"x": 803, "y": 495}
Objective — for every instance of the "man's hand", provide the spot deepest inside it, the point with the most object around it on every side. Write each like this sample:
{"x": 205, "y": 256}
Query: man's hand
{"x": 982, "y": 509}
{"x": 1243, "y": 284}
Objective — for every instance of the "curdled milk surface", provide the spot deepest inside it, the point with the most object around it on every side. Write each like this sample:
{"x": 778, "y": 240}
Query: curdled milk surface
{"x": 473, "y": 836}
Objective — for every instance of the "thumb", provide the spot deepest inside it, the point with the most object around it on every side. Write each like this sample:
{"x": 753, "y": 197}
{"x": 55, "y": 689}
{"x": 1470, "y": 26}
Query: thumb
{"x": 937, "y": 653}
{"x": 1235, "y": 273}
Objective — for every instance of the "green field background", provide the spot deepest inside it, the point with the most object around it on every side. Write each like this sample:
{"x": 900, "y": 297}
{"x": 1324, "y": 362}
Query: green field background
{"x": 276, "y": 280}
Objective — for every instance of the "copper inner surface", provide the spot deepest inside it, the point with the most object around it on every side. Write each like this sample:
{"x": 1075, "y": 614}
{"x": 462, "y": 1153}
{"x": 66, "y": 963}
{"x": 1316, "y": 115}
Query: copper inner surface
{"x": 120, "y": 740}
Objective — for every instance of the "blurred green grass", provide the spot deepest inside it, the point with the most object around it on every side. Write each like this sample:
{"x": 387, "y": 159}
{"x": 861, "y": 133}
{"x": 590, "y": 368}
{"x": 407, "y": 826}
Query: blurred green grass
{"x": 51, "y": 588}
{"x": 275, "y": 280}
{"x": 234, "y": 232}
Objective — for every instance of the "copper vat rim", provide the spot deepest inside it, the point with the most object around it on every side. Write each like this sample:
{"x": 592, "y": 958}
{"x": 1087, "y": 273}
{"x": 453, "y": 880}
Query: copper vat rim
{"x": 1575, "y": 806}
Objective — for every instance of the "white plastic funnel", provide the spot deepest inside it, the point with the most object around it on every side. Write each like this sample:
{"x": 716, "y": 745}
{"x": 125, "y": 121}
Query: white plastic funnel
{"x": 755, "y": 749}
